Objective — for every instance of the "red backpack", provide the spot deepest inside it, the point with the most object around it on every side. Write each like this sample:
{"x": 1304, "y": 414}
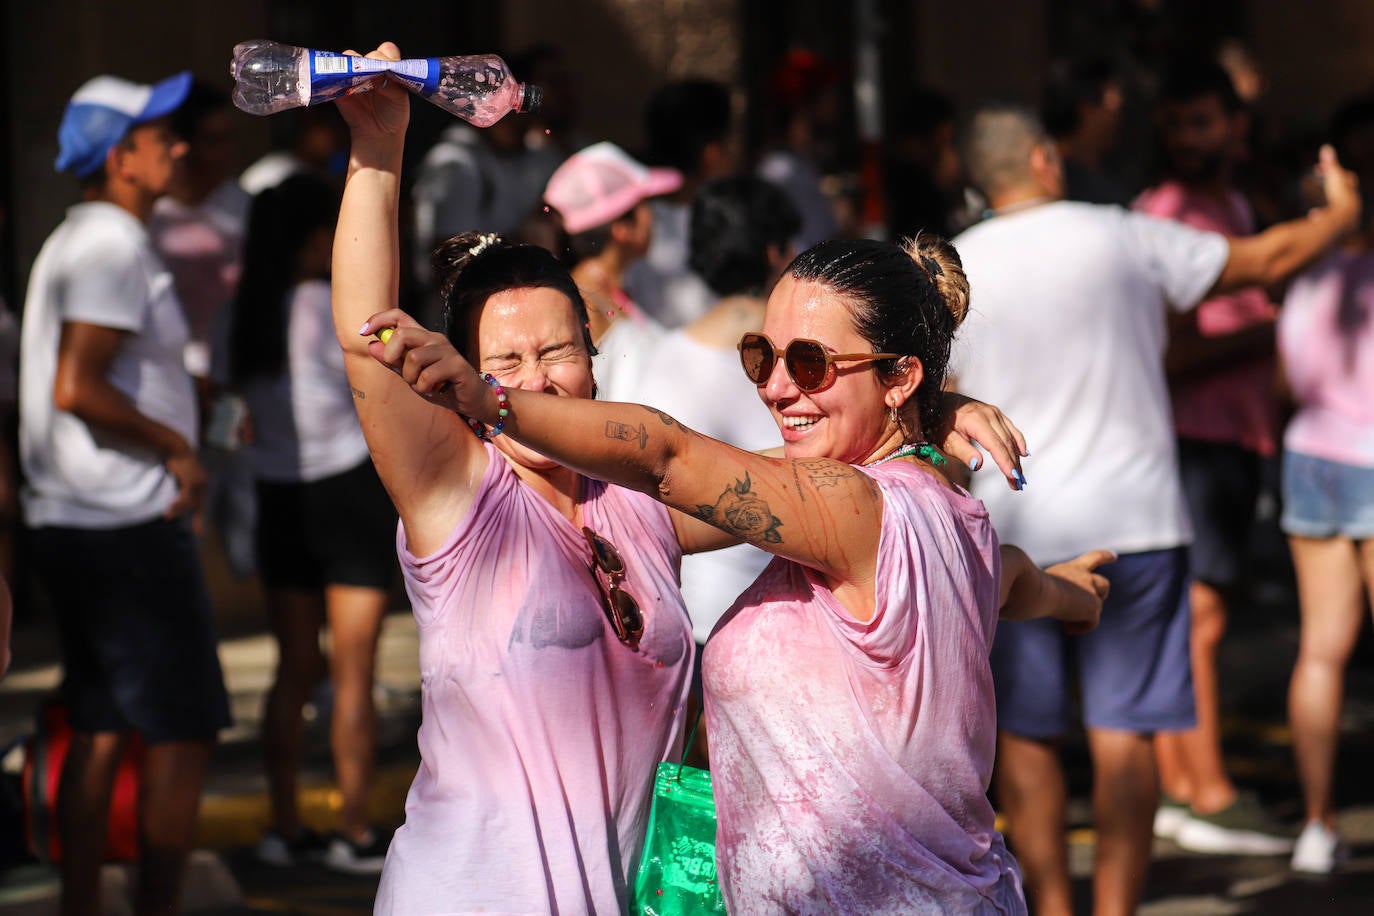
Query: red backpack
{"x": 47, "y": 749}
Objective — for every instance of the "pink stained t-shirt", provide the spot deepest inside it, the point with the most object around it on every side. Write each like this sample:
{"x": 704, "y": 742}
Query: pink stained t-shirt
{"x": 851, "y": 760}
{"x": 1326, "y": 338}
{"x": 541, "y": 731}
{"x": 1235, "y": 405}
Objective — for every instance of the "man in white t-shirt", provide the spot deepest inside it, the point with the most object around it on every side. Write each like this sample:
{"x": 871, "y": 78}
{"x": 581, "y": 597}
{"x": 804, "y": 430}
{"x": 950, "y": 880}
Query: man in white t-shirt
{"x": 1066, "y": 333}
{"x": 107, "y": 430}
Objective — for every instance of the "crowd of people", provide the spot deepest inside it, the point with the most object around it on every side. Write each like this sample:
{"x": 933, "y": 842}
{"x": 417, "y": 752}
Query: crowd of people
{"x": 645, "y": 439}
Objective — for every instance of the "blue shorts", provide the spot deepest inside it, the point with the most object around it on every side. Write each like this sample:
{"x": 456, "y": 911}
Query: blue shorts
{"x": 1134, "y": 672}
{"x": 1325, "y": 499}
{"x": 134, "y": 620}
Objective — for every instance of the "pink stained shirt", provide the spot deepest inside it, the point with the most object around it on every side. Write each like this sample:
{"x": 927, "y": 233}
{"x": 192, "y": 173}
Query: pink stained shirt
{"x": 541, "y": 731}
{"x": 1235, "y": 405}
{"x": 851, "y": 760}
{"x": 1326, "y": 338}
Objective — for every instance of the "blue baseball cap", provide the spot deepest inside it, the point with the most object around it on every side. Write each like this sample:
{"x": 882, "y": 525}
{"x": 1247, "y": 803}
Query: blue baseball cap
{"x": 104, "y": 110}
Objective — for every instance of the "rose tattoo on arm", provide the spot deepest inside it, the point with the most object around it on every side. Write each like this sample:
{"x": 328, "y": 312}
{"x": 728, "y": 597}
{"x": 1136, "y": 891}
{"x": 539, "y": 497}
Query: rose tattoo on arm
{"x": 741, "y": 512}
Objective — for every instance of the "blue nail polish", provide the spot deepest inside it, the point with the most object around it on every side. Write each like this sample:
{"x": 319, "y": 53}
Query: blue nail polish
{"x": 975, "y": 463}
{"x": 1020, "y": 478}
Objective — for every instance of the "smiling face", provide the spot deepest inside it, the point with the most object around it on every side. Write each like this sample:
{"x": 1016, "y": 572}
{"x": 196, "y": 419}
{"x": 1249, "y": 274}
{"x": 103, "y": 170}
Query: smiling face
{"x": 847, "y": 420}
{"x": 529, "y": 339}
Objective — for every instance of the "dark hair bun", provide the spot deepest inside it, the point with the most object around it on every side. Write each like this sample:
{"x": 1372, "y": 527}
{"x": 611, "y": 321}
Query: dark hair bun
{"x": 942, "y": 264}
{"x": 453, "y": 255}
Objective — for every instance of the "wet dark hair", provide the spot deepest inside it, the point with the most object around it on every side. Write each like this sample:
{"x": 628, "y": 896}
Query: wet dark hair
{"x": 907, "y": 298}
{"x": 1187, "y": 81}
{"x": 734, "y": 222}
{"x": 473, "y": 266}
{"x": 684, "y": 118}
{"x": 282, "y": 219}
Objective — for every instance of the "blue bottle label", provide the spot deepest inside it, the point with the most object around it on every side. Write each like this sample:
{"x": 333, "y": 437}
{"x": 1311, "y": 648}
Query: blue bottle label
{"x": 331, "y": 74}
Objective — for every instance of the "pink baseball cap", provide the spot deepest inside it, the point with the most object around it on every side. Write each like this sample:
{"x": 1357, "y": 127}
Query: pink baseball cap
{"x": 602, "y": 183}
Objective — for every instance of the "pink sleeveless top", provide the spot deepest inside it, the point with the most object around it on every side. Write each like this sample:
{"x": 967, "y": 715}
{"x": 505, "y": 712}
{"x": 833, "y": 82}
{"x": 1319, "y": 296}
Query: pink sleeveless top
{"x": 851, "y": 760}
{"x": 541, "y": 730}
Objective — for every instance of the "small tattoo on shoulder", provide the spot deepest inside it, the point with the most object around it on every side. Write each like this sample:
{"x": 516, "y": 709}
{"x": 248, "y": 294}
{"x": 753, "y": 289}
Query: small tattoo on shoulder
{"x": 824, "y": 473}
{"x": 627, "y": 433}
{"x": 359, "y": 394}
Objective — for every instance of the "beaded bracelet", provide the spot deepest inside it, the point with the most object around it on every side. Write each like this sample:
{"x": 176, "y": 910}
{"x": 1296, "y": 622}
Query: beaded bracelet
{"x": 502, "y": 412}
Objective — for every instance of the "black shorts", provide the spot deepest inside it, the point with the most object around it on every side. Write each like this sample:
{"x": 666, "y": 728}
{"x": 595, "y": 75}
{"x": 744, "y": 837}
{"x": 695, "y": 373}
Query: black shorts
{"x": 138, "y": 639}
{"x": 337, "y": 531}
{"x": 1221, "y": 484}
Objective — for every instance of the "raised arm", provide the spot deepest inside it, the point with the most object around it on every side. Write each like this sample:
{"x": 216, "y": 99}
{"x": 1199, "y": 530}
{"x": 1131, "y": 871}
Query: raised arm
{"x": 1283, "y": 249}
{"x": 425, "y": 455}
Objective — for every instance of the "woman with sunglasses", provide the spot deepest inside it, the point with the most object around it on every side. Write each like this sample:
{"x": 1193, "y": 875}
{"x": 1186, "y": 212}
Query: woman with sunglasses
{"x": 554, "y": 644}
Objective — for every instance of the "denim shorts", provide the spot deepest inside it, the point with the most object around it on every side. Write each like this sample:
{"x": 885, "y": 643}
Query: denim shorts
{"x": 1324, "y": 499}
{"x": 1133, "y": 672}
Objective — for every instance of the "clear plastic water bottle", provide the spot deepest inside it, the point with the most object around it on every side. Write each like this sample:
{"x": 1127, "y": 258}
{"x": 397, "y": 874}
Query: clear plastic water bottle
{"x": 479, "y": 88}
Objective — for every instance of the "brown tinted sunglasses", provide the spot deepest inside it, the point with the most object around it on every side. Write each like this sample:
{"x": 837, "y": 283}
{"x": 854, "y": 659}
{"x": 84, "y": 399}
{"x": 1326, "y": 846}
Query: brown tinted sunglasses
{"x": 608, "y": 568}
{"x": 809, "y": 364}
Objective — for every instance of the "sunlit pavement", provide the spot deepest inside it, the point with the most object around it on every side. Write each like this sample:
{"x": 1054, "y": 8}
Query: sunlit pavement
{"x": 226, "y": 878}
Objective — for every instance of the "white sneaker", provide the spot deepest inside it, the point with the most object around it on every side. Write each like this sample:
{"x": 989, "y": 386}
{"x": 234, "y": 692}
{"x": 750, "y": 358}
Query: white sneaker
{"x": 1319, "y": 850}
{"x": 358, "y": 857}
{"x": 1243, "y": 828}
{"x": 1169, "y": 819}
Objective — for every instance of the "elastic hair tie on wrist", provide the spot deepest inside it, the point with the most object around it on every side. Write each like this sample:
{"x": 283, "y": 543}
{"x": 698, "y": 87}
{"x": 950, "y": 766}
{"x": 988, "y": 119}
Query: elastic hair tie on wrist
{"x": 502, "y": 411}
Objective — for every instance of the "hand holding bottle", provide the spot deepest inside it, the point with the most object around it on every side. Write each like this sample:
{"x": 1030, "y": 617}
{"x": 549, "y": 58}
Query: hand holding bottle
{"x": 382, "y": 113}
{"x": 478, "y": 88}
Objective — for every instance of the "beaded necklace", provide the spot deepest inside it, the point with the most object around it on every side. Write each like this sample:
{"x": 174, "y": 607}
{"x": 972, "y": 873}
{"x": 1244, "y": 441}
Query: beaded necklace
{"x": 923, "y": 449}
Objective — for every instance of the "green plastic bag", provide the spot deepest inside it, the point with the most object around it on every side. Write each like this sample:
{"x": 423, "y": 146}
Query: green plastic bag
{"x": 677, "y": 870}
